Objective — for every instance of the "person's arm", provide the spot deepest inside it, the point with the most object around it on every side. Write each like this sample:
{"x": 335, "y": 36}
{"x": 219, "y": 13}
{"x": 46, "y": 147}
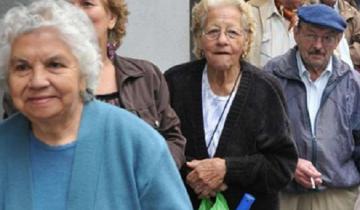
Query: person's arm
{"x": 356, "y": 153}
{"x": 169, "y": 126}
{"x": 273, "y": 166}
{"x": 356, "y": 120}
{"x": 164, "y": 189}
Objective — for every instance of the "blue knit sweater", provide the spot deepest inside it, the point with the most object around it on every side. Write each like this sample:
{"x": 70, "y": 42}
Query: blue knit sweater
{"x": 120, "y": 163}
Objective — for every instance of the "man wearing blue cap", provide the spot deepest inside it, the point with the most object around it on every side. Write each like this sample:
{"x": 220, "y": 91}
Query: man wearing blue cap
{"x": 323, "y": 100}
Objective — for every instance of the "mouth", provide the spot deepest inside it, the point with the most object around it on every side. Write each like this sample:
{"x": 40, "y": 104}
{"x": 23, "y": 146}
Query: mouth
{"x": 317, "y": 55}
{"x": 221, "y": 53}
{"x": 40, "y": 100}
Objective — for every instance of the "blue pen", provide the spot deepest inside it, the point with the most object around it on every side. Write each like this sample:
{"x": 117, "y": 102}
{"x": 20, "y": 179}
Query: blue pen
{"x": 246, "y": 202}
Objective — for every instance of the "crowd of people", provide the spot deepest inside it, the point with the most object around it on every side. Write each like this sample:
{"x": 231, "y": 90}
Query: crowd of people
{"x": 270, "y": 106}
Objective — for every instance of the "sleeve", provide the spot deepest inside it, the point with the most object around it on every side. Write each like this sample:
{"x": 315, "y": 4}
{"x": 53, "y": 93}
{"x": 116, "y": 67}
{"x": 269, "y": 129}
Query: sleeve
{"x": 164, "y": 188}
{"x": 356, "y": 120}
{"x": 272, "y": 166}
{"x": 170, "y": 124}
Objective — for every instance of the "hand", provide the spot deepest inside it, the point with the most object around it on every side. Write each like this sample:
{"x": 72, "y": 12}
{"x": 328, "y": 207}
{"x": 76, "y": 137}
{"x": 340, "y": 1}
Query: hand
{"x": 305, "y": 170}
{"x": 207, "y": 176}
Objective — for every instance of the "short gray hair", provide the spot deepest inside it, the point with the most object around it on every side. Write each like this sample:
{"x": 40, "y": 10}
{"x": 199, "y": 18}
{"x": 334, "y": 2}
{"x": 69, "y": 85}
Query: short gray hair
{"x": 74, "y": 28}
{"x": 200, "y": 13}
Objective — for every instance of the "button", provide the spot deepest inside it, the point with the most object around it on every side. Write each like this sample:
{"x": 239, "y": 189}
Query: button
{"x": 157, "y": 124}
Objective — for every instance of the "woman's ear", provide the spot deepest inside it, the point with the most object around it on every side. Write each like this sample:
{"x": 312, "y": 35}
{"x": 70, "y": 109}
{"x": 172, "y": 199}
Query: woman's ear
{"x": 112, "y": 20}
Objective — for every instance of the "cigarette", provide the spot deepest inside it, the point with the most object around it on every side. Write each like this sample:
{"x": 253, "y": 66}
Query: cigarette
{"x": 312, "y": 183}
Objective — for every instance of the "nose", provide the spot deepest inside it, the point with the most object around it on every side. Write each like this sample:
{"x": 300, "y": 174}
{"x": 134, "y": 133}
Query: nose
{"x": 223, "y": 39}
{"x": 38, "y": 78}
{"x": 318, "y": 43}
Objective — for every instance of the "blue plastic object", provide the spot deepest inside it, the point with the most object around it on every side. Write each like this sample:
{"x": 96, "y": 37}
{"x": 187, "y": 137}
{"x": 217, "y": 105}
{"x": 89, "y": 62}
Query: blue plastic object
{"x": 246, "y": 202}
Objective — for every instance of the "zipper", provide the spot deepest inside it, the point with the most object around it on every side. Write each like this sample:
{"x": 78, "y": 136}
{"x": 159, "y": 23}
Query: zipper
{"x": 308, "y": 122}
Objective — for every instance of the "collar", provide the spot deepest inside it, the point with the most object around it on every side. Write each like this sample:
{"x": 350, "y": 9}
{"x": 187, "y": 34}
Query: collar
{"x": 287, "y": 66}
{"x": 128, "y": 67}
{"x": 267, "y": 8}
{"x": 336, "y": 6}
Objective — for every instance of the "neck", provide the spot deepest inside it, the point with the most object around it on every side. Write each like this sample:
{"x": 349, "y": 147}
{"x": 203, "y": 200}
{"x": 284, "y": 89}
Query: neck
{"x": 107, "y": 78}
{"x": 58, "y": 131}
{"x": 223, "y": 82}
{"x": 315, "y": 72}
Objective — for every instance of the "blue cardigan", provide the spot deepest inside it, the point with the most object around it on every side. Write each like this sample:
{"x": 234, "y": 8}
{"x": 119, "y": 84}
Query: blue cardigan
{"x": 120, "y": 163}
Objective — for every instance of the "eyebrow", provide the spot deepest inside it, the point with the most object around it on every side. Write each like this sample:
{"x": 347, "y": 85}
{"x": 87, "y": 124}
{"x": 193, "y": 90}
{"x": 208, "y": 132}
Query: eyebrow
{"x": 16, "y": 59}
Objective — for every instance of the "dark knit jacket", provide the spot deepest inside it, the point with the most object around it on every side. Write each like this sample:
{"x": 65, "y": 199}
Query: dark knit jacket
{"x": 256, "y": 142}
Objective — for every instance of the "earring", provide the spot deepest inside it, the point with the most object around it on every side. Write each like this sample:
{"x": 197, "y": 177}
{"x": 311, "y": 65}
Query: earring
{"x": 111, "y": 46}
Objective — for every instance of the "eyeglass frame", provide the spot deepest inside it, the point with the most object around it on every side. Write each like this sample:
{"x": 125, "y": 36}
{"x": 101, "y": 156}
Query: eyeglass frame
{"x": 215, "y": 33}
{"x": 313, "y": 38}
{"x": 326, "y": 40}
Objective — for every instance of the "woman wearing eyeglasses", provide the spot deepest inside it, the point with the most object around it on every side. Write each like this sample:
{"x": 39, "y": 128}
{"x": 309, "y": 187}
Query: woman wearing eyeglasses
{"x": 233, "y": 115}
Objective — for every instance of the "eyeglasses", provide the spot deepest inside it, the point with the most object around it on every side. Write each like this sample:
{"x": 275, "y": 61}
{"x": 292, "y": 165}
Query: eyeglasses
{"x": 325, "y": 40}
{"x": 230, "y": 33}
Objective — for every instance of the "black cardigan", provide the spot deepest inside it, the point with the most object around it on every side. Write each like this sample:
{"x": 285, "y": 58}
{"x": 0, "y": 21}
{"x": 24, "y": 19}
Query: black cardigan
{"x": 256, "y": 142}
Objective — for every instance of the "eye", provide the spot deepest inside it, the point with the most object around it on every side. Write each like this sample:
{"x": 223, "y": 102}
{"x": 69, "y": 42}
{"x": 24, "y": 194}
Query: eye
{"x": 19, "y": 66}
{"x": 212, "y": 33}
{"x": 311, "y": 37}
{"x": 233, "y": 33}
{"x": 87, "y": 3}
{"x": 55, "y": 65}
{"x": 329, "y": 39}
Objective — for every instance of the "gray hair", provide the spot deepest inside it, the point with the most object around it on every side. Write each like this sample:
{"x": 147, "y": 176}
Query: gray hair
{"x": 199, "y": 15}
{"x": 74, "y": 28}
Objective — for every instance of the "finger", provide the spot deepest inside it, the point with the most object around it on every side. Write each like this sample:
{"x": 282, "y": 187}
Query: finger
{"x": 206, "y": 193}
{"x": 212, "y": 194}
{"x": 192, "y": 164}
{"x": 304, "y": 181}
{"x": 318, "y": 181}
{"x": 192, "y": 176}
{"x": 309, "y": 171}
{"x": 223, "y": 187}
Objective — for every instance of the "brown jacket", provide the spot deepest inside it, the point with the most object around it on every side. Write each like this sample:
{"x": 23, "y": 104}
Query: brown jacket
{"x": 352, "y": 32}
{"x": 144, "y": 91}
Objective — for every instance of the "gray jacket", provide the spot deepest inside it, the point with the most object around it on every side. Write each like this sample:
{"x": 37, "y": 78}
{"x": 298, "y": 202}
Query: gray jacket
{"x": 337, "y": 122}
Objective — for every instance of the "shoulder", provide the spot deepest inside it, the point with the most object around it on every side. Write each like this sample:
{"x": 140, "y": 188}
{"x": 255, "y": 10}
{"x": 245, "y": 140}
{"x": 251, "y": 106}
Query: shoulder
{"x": 136, "y": 66}
{"x": 281, "y": 62}
{"x": 13, "y": 130}
{"x": 14, "y": 124}
{"x": 185, "y": 69}
{"x": 123, "y": 126}
{"x": 258, "y": 3}
{"x": 260, "y": 78}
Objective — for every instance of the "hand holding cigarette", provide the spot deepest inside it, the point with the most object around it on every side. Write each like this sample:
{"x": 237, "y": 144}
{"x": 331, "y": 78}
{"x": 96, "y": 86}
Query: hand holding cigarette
{"x": 307, "y": 175}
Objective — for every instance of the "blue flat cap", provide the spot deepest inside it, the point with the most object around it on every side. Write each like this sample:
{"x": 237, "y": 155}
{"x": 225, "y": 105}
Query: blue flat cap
{"x": 322, "y": 15}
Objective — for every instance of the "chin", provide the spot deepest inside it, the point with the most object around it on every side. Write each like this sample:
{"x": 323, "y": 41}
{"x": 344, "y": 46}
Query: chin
{"x": 220, "y": 66}
{"x": 41, "y": 114}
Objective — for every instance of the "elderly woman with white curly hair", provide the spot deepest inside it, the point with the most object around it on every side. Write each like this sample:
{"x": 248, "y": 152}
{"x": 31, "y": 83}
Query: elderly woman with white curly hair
{"x": 232, "y": 114}
{"x": 65, "y": 150}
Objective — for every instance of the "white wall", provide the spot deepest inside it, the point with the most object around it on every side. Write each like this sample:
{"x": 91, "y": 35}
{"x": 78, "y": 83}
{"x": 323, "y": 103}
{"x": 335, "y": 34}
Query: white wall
{"x": 158, "y": 31}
